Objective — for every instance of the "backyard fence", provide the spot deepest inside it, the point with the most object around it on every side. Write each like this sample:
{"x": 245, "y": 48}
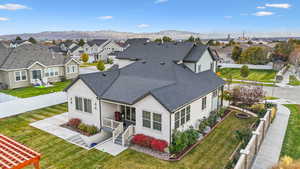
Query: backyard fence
{"x": 248, "y": 154}
{"x": 231, "y": 65}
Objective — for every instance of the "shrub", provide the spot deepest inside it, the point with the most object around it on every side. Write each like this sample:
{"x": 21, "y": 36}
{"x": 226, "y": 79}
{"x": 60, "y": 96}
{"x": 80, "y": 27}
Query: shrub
{"x": 221, "y": 112}
{"x": 182, "y": 140}
{"x": 243, "y": 136}
{"x": 257, "y": 108}
{"x": 202, "y": 125}
{"x": 245, "y": 71}
{"x": 142, "y": 140}
{"x": 159, "y": 145}
{"x": 101, "y": 66}
{"x": 110, "y": 61}
{"x": 89, "y": 129}
{"x": 74, "y": 123}
{"x": 270, "y": 105}
{"x": 85, "y": 57}
{"x": 212, "y": 120}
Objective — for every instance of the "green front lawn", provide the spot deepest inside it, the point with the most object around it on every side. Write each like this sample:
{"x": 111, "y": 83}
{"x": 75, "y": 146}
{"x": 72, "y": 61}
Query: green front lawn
{"x": 294, "y": 81}
{"x": 213, "y": 152}
{"x": 291, "y": 144}
{"x": 34, "y": 91}
{"x": 88, "y": 64}
{"x": 255, "y": 75}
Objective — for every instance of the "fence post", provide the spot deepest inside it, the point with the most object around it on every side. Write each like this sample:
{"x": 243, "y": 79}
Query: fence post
{"x": 246, "y": 153}
{"x": 264, "y": 126}
{"x": 256, "y": 133}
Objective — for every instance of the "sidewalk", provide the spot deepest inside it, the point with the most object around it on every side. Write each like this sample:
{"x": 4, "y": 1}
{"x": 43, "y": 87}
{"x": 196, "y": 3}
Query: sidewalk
{"x": 18, "y": 106}
{"x": 269, "y": 153}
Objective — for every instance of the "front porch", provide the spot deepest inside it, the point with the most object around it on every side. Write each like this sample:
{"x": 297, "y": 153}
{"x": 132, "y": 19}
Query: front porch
{"x": 119, "y": 120}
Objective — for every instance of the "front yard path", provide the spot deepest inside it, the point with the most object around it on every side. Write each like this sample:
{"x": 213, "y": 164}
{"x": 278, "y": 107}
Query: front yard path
{"x": 18, "y": 106}
{"x": 269, "y": 153}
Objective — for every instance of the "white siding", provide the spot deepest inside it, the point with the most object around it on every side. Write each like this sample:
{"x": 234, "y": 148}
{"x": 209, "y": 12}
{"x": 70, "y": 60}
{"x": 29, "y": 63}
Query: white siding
{"x": 150, "y": 104}
{"x": 196, "y": 113}
{"x": 108, "y": 110}
{"x": 204, "y": 62}
{"x": 81, "y": 90}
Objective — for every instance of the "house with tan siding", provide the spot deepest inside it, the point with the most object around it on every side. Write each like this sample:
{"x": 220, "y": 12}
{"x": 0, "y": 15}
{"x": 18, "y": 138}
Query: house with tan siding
{"x": 28, "y": 64}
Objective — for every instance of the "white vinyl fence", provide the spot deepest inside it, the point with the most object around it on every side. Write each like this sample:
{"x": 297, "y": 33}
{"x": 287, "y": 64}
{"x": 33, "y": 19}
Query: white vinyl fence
{"x": 231, "y": 65}
{"x": 247, "y": 155}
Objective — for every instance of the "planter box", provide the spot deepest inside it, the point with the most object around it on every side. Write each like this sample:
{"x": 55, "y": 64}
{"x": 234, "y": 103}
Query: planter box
{"x": 97, "y": 138}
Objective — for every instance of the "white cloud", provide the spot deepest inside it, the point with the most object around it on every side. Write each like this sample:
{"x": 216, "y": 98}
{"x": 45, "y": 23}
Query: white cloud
{"x": 263, "y": 13}
{"x": 3, "y": 19}
{"x": 228, "y": 17}
{"x": 143, "y": 26}
{"x": 285, "y": 6}
{"x": 105, "y": 17}
{"x": 13, "y": 7}
{"x": 160, "y": 1}
{"x": 261, "y": 7}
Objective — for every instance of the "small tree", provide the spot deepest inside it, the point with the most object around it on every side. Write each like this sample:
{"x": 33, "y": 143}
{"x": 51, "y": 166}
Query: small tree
{"x": 167, "y": 39}
{"x": 247, "y": 95}
{"x": 18, "y": 38}
{"x": 191, "y": 39}
{"x": 81, "y": 42}
{"x": 101, "y": 65}
{"x": 158, "y": 40}
{"x": 32, "y": 40}
{"x": 245, "y": 71}
{"x": 236, "y": 53}
{"x": 85, "y": 57}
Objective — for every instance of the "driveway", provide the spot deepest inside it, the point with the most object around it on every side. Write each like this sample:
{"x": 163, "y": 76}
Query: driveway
{"x": 6, "y": 98}
{"x": 92, "y": 69}
{"x": 18, "y": 106}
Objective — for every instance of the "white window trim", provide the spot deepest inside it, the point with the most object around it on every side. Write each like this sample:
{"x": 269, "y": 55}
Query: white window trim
{"x": 70, "y": 68}
{"x": 21, "y": 80}
{"x": 82, "y": 111}
{"x": 180, "y": 117}
{"x": 53, "y": 68}
{"x": 151, "y": 122}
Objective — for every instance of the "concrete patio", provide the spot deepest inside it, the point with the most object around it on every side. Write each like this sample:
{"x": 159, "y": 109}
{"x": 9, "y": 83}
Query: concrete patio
{"x": 53, "y": 124}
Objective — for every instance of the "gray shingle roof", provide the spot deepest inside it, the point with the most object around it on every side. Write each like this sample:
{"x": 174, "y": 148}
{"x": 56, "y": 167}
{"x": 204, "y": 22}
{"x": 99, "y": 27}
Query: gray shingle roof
{"x": 196, "y": 53}
{"x": 97, "y": 42}
{"x": 157, "y": 51}
{"x": 135, "y": 41}
{"x": 171, "y": 84}
{"x": 25, "y": 55}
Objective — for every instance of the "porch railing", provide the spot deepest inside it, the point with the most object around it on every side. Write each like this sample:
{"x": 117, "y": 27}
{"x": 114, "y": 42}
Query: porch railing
{"x": 109, "y": 123}
{"x": 117, "y": 131}
{"x": 129, "y": 132}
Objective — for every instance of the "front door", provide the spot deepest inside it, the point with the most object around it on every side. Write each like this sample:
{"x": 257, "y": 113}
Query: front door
{"x": 36, "y": 74}
{"x": 128, "y": 115}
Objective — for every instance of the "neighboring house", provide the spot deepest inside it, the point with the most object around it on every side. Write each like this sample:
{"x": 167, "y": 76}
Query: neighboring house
{"x": 159, "y": 88}
{"x": 17, "y": 43}
{"x": 27, "y": 64}
{"x": 99, "y": 49}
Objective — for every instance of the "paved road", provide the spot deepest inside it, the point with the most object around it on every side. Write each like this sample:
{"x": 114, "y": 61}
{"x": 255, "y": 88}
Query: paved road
{"x": 269, "y": 152}
{"x": 18, "y": 106}
{"x": 292, "y": 93}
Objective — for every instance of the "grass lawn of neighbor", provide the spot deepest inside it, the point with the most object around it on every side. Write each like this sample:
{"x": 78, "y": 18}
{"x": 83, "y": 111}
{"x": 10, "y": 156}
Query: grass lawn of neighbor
{"x": 294, "y": 81}
{"x": 88, "y": 64}
{"x": 254, "y": 75}
{"x": 34, "y": 91}
{"x": 213, "y": 152}
{"x": 291, "y": 144}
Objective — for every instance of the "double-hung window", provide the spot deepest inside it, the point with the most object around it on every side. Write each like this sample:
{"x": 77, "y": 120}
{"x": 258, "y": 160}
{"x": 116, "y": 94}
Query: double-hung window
{"x": 146, "y": 119}
{"x": 157, "y": 121}
{"x": 83, "y": 104}
{"x": 78, "y": 103}
{"x": 21, "y": 75}
{"x": 72, "y": 69}
{"x": 182, "y": 116}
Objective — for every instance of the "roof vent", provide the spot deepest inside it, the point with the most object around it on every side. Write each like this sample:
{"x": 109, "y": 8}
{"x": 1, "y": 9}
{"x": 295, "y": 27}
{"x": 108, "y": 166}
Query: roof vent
{"x": 162, "y": 63}
{"x": 144, "y": 62}
{"x": 104, "y": 74}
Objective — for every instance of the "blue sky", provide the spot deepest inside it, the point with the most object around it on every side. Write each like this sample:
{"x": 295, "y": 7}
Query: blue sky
{"x": 20, "y": 16}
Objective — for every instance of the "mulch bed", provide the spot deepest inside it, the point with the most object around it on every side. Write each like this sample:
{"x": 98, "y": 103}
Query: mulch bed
{"x": 156, "y": 154}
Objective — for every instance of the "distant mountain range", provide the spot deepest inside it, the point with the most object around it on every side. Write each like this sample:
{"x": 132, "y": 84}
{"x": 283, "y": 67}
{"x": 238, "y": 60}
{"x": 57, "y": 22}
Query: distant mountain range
{"x": 107, "y": 34}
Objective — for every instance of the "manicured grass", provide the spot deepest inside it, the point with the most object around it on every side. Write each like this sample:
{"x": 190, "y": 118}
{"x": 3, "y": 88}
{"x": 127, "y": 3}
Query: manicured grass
{"x": 257, "y": 84}
{"x": 255, "y": 75}
{"x": 271, "y": 98}
{"x": 294, "y": 81}
{"x": 34, "y": 91}
{"x": 213, "y": 152}
{"x": 291, "y": 144}
{"x": 88, "y": 64}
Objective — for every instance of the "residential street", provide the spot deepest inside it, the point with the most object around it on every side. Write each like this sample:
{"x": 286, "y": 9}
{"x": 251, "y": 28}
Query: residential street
{"x": 292, "y": 94}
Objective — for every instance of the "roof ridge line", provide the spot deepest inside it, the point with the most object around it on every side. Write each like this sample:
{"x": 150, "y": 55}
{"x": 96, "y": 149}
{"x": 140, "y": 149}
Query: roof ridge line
{"x": 105, "y": 90}
{"x": 6, "y": 58}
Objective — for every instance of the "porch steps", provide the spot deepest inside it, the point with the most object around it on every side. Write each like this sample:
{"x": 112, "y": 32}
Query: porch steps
{"x": 118, "y": 140}
{"x": 77, "y": 140}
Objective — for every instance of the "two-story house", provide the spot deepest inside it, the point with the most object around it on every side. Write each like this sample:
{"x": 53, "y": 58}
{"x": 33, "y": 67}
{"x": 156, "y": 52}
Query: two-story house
{"x": 27, "y": 64}
{"x": 158, "y": 88}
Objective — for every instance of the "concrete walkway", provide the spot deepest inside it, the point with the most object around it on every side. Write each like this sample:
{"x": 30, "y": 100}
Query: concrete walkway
{"x": 18, "y": 106}
{"x": 270, "y": 150}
